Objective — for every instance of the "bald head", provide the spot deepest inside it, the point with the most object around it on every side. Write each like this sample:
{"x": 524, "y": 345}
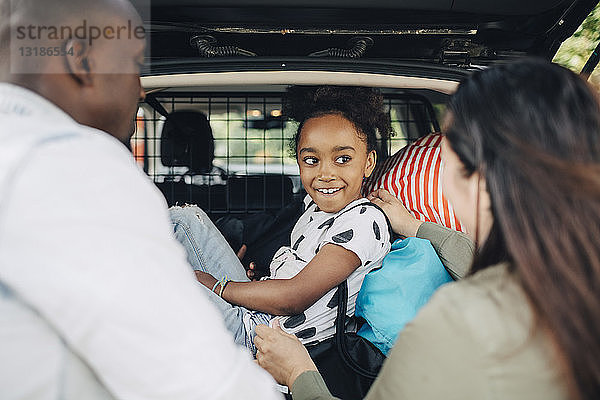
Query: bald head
{"x": 82, "y": 55}
{"x": 62, "y": 11}
{"x": 36, "y": 24}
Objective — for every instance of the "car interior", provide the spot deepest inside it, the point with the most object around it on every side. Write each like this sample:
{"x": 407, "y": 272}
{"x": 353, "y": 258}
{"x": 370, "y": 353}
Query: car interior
{"x": 229, "y": 63}
{"x": 240, "y": 162}
{"x": 211, "y": 130}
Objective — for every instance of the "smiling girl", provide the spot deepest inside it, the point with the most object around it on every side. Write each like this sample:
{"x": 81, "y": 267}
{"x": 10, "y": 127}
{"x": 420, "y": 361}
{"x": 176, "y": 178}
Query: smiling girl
{"x": 340, "y": 236}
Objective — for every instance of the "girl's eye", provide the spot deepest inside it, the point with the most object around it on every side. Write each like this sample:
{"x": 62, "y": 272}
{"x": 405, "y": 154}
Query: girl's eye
{"x": 343, "y": 159}
{"x": 310, "y": 160}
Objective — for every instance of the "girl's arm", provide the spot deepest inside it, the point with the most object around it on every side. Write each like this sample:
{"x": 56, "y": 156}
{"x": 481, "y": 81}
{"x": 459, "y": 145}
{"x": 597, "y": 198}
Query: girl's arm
{"x": 328, "y": 268}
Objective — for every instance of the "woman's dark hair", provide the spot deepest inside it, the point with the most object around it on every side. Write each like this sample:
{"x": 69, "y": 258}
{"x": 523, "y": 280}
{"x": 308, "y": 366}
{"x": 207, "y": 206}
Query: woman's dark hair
{"x": 362, "y": 106}
{"x": 532, "y": 130}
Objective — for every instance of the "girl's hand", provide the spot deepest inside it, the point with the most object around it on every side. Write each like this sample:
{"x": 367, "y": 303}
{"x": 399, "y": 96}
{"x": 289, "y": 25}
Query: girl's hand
{"x": 281, "y": 354}
{"x": 251, "y": 272}
{"x": 403, "y": 223}
{"x": 241, "y": 253}
{"x": 206, "y": 279}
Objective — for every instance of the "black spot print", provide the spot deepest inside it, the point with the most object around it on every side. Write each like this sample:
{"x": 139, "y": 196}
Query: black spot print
{"x": 316, "y": 251}
{"x": 367, "y": 263}
{"x": 317, "y": 209}
{"x": 327, "y": 223}
{"x": 279, "y": 266}
{"x": 363, "y": 210}
{"x": 298, "y": 258}
{"x": 306, "y": 333}
{"x": 294, "y": 321}
{"x": 310, "y": 220}
{"x": 376, "y": 269}
{"x": 334, "y": 299}
{"x": 376, "y": 230}
{"x": 295, "y": 246}
{"x": 344, "y": 237}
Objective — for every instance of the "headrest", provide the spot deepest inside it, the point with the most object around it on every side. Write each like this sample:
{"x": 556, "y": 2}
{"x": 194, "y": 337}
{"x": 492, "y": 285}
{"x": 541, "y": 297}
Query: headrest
{"x": 414, "y": 176}
{"x": 187, "y": 141}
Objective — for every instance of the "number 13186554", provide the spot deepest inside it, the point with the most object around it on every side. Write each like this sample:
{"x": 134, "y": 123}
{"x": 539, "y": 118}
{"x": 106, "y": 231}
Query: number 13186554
{"x": 44, "y": 51}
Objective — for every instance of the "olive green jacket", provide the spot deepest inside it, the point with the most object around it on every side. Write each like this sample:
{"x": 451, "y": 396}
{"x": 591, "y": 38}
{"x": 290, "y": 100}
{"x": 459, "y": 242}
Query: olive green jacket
{"x": 475, "y": 339}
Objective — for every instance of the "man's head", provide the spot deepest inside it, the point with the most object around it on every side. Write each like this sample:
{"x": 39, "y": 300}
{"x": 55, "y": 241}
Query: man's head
{"x": 82, "y": 55}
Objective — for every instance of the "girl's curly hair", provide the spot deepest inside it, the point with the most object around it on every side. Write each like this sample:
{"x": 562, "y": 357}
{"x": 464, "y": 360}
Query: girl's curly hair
{"x": 362, "y": 106}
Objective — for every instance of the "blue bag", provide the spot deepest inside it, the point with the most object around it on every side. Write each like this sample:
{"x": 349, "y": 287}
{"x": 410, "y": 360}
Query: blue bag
{"x": 390, "y": 296}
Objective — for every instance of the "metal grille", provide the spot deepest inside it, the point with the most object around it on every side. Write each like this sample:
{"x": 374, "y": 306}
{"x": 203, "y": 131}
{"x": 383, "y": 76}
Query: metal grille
{"x": 255, "y": 170}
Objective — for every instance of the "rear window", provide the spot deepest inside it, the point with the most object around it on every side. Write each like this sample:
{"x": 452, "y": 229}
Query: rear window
{"x": 251, "y": 138}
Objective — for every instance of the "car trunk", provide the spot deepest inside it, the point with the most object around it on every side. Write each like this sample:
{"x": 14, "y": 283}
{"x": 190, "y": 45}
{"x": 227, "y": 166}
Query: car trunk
{"x": 266, "y": 33}
{"x": 232, "y": 60}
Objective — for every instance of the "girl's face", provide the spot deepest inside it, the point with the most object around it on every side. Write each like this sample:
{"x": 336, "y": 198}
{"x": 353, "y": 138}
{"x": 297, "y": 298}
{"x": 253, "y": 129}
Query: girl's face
{"x": 464, "y": 192}
{"x": 333, "y": 160}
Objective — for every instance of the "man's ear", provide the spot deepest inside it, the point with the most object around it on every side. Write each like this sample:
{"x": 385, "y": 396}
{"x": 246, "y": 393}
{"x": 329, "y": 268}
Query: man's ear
{"x": 77, "y": 61}
{"x": 371, "y": 162}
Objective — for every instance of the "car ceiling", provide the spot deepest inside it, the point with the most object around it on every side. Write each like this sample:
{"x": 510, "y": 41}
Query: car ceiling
{"x": 506, "y": 7}
{"x": 443, "y": 32}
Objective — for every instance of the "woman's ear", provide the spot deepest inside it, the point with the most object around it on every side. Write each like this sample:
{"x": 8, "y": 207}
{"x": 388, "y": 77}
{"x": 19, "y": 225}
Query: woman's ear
{"x": 78, "y": 62}
{"x": 371, "y": 162}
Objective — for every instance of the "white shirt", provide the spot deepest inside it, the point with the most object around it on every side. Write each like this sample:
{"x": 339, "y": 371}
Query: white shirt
{"x": 86, "y": 241}
{"x": 359, "y": 227}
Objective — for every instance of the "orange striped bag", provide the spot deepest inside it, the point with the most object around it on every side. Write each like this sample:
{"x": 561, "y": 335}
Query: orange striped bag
{"x": 413, "y": 175}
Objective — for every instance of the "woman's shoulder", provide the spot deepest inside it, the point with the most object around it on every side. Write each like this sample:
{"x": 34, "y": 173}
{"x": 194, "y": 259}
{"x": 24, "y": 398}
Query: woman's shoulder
{"x": 495, "y": 282}
{"x": 490, "y": 304}
{"x": 477, "y": 338}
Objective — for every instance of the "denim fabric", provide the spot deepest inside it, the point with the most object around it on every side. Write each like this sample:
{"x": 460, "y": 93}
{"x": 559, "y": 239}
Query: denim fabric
{"x": 208, "y": 251}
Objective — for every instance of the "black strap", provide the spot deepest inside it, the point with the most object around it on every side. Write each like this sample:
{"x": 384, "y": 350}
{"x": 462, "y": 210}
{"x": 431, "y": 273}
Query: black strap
{"x": 342, "y": 306}
{"x": 340, "y": 329}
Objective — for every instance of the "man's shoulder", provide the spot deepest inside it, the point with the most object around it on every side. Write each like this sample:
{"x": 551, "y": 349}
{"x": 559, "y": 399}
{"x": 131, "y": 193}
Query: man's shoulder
{"x": 74, "y": 145}
{"x": 29, "y": 134}
{"x": 58, "y": 150}
{"x": 72, "y": 162}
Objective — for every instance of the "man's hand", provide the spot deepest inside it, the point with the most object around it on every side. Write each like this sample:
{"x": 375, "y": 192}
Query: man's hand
{"x": 403, "y": 223}
{"x": 281, "y": 354}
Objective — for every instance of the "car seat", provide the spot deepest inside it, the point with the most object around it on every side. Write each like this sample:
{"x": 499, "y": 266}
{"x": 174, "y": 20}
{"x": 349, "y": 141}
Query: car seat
{"x": 187, "y": 141}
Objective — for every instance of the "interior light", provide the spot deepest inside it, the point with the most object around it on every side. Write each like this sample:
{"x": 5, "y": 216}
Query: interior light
{"x": 254, "y": 113}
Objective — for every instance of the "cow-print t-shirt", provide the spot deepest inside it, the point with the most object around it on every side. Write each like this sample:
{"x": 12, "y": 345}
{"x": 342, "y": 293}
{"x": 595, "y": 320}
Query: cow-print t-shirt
{"x": 359, "y": 227}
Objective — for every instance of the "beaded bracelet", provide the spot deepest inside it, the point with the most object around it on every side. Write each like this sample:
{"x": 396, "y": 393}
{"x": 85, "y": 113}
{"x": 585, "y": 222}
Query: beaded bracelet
{"x": 223, "y": 284}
